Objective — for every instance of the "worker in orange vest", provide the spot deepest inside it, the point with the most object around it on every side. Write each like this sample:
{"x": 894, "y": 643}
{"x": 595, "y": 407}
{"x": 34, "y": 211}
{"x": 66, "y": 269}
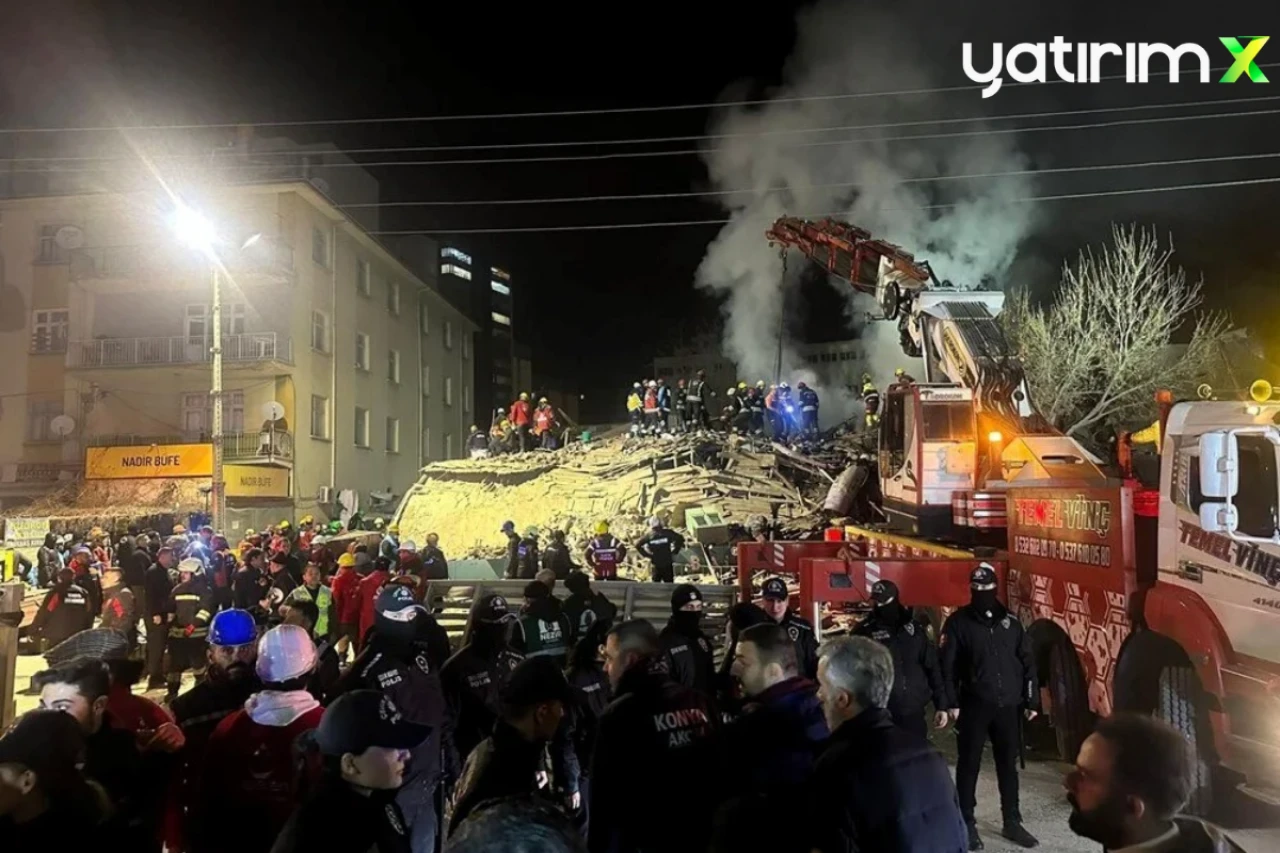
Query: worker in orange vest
{"x": 544, "y": 424}
{"x": 520, "y": 418}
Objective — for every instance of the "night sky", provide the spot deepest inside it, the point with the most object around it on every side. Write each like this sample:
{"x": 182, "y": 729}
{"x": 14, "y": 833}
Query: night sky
{"x": 596, "y": 305}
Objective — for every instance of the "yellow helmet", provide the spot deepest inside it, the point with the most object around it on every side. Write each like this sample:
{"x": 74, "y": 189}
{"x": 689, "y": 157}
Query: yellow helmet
{"x": 284, "y": 525}
{"x": 250, "y": 532}
{"x": 393, "y": 528}
{"x": 602, "y": 527}
{"x": 742, "y": 386}
{"x": 898, "y": 371}
{"x": 306, "y": 519}
{"x": 542, "y": 400}
{"x": 346, "y": 559}
{"x": 524, "y": 396}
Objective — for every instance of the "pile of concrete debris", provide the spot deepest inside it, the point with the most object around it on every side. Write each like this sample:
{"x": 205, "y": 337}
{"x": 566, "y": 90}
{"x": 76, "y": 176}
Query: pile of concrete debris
{"x": 714, "y": 489}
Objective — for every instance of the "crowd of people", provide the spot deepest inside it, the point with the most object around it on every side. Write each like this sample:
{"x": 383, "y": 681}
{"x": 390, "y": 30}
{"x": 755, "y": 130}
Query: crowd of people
{"x": 655, "y": 408}
{"x": 555, "y": 726}
{"x": 522, "y": 428}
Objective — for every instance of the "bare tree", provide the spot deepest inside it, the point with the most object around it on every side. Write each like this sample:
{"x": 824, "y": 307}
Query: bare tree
{"x": 1095, "y": 356}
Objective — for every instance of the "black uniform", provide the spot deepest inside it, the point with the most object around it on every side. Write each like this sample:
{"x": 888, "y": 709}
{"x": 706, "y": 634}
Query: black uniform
{"x": 477, "y": 441}
{"x": 513, "y": 556}
{"x": 471, "y": 680}
{"x": 159, "y": 587}
{"x": 689, "y": 654}
{"x": 801, "y": 633}
{"x": 697, "y": 400}
{"x": 339, "y": 819}
{"x": 64, "y": 611}
{"x": 661, "y": 545}
{"x": 916, "y": 675}
{"x": 543, "y": 630}
{"x": 989, "y": 673}
{"x": 434, "y": 565}
{"x": 654, "y": 734}
{"x": 809, "y": 410}
{"x": 277, "y": 592}
{"x": 556, "y": 558}
{"x": 679, "y": 408}
{"x": 585, "y": 610}
{"x": 247, "y": 590}
{"x": 189, "y": 630}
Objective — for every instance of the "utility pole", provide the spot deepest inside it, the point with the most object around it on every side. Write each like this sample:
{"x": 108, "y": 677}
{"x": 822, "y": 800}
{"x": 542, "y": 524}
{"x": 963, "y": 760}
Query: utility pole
{"x": 219, "y": 501}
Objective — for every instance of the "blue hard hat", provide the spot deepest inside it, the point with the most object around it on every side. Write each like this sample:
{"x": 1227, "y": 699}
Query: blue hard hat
{"x": 232, "y": 628}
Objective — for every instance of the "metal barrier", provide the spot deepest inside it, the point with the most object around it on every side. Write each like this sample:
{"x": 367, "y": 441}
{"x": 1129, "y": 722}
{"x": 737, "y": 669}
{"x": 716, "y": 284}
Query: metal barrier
{"x": 451, "y": 602}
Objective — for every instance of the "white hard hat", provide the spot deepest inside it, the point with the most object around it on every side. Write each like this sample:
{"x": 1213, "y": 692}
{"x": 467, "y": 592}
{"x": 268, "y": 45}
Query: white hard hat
{"x": 285, "y": 652}
{"x": 190, "y": 564}
{"x": 408, "y": 545}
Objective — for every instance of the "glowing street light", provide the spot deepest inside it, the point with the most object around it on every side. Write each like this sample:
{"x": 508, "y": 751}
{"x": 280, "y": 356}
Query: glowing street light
{"x": 191, "y": 228}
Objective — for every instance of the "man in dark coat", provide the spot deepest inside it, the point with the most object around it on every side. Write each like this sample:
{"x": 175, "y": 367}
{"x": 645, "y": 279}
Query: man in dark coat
{"x": 917, "y": 678}
{"x": 473, "y": 678}
{"x": 875, "y": 786}
{"x": 688, "y": 648}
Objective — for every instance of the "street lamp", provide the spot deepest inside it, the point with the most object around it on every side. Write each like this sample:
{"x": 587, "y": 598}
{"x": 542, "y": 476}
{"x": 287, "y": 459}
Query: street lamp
{"x": 193, "y": 229}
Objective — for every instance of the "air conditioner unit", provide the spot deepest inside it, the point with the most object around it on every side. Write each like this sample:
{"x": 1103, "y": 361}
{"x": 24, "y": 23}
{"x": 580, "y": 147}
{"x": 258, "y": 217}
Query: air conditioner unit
{"x": 324, "y": 494}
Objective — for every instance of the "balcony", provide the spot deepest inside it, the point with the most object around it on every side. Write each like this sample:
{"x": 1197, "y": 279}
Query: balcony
{"x": 254, "y": 350}
{"x": 266, "y": 447}
{"x": 110, "y": 269}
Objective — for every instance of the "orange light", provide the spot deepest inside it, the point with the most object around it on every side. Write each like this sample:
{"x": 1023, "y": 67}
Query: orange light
{"x": 995, "y": 437}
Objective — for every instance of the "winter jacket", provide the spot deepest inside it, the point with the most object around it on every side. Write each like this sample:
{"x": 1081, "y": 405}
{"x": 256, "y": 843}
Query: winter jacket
{"x": 159, "y": 586}
{"x": 661, "y": 546}
{"x": 801, "y": 633}
{"x": 367, "y": 595}
{"x": 775, "y": 743}
{"x": 389, "y": 547}
{"x": 192, "y": 609}
{"x": 64, "y": 612}
{"x": 652, "y": 735}
{"x": 556, "y": 557}
{"x": 604, "y": 555}
{"x": 697, "y": 390}
{"x": 1192, "y": 835}
{"x": 689, "y": 655}
{"x": 477, "y": 441}
{"x": 326, "y": 626}
{"x": 503, "y": 765}
{"x": 134, "y": 782}
{"x": 543, "y": 630}
{"x": 345, "y": 589}
{"x": 917, "y": 678}
{"x": 987, "y": 660}
{"x": 247, "y": 589}
{"x": 339, "y": 819}
{"x": 527, "y": 558}
{"x": 664, "y": 398}
{"x": 591, "y": 690}
{"x": 434, "y": 565}
{"x": 119, "y": 611}
{"x": 880, "y": 787}
{"x": 471, "y": 681}
{"x": 513, "y": 556}
{"x": 135, "y": 571}
{"x": 583, "y": 611}
{"x": 519, "y": 413}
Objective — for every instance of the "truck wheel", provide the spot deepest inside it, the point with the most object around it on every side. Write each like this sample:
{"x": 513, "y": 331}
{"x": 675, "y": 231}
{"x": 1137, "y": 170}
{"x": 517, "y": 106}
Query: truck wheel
{"x": 1180, "y": 706}
{"x": 1072, "y": 720}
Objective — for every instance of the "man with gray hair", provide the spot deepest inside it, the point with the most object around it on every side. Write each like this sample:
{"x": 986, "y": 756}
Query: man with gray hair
{"x": 876, "y": 786}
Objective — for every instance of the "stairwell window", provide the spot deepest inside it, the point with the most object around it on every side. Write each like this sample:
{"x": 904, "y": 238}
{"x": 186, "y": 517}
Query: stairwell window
{"x": 393, "y": 367}
{"x": 363, "y": 284}
{"x": 320, "y": 247}
{"x": 426, "y": 380}
{"x": 393, "y": 298}
{"x": 448, "y": 390}
{"x": 424, "y": 318}
{"x": 393, "y": 435}
{"x": 362, "y": 352}
{"x": 362, "y": 427}
{"x": 49, "y": 330}
{"x": 319, "y": 417}
{"x": 448, "y": 334}
{"x": 320, "y": 332}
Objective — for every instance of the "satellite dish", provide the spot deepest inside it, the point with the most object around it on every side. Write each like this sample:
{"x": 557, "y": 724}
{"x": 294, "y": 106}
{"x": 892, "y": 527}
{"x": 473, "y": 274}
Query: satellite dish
{"x": 69, "y": 237}
{"x": 273, "y": 411}
{"x": 62, "y": 425}
{"x": 320, "y": 184}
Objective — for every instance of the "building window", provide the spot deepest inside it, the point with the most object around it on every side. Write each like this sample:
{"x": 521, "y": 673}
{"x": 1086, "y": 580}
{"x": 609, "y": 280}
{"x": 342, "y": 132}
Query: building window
{"x": 466, "y": 399}
{"x": 393, "y": 435}
{"x": 426, "y": 380}
{"x": 426, "y": 444}
{"x": 393, "y": 297}
{"x": 320, "y": 247}
{"x": 362, "y": 427}
{"x": 40, "y": 415}
{"x": 499, "y": 287}
{"x": 196, "y": 323}
{"x": 448, "y": 445}
{"x": 319, "y": 416}
{"x": 499, "y": 272}
{"x": 232, "y": 318}
{"x": 424, "y": 318}
{"x": 456, "y": 254}
{"x": 49, "y": 330}
{"x": 50, "y": 252}
{"x": 197, "y": 414}
{"x": 362, "y": 352}
{"x": 393, "y": 366}
{"x": 448, "y": 390}
{"x": 454, "y": 269}
{"x": 466, "y": 345}
{"x": 320, "y": 338}
{"x": 498, "y": 317}
{"x": 363, "y": 285}
{"x": 448, "y": 334}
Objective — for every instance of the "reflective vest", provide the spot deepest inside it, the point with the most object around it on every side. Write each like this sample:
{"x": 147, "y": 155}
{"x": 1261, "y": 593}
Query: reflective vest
{"x": 8, "y": 561}
{"x": 544, "y": 637}
{"x": 323, "y": 600}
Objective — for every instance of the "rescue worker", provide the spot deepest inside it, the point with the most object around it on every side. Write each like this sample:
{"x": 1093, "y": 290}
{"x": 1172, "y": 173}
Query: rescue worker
{"x": 544, "y": 424}
{"x": 473, "y": 677}
{"x": 434, "y": 565}
{"x": 901, "y": 377}
{"x": 390, "y": 544}
{"x": 81, "y": 565}
{"x": 119, "y": 610}
{"x": 64, "y": 611}
{"x": 989, "y": 675}
{"x": 870, "y": 402}
{"x": 189, "y": 630}
{"x": 786, "y": 411}
{"x": 687, "y": 648}
{"x": 521, "y": 417}
{"x": 542, "y": 630}
{"x": 635, "y": 409}
{"x": 345, "y": 591}
{"x": 916, "y": 675}
{"x": 585, "y": 607}
{"x": 679, "y": 406}
{"x": 326, "y": 627}
{"x": 527, "y": 554}
{"x": 556, "y": 557}
{"x": 605, "y": 553}
{"x": 477, "y": 443}
{"x": 652, "y": 411}
{"x": 661, "y": 545}
{"x": 771, "y": 419}
{"x": 405, "y": 653}
{"x": 776, "y": 600}
{"x": 697, "y": 399}
{"x": 513, "y": 550}
{"x": 370, "y": 588}
{"x": 159, "y": 614}
{"x": 755, "y": 404}
{"x": 808, "y": 400}
{"x": 280, "y": 584}
{"x": 653, "y": 732}
{"x": 664, "y": 405}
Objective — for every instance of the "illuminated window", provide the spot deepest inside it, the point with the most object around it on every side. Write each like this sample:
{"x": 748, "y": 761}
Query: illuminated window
{"x": 456, "y": 254}
{"x": 454, "y": 269}
{"x": 499, "y": 272}
{"x": 500, "y": 318}
{"x": 499, "y": 287}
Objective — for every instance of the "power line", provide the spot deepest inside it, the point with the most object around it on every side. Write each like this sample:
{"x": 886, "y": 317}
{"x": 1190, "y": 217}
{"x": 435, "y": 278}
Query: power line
{"x": 497, "y": 146}
{"x": 619, "y": 155}
{"x": 612, "y": 226}
{"x": 555, "y": 113}
{"x": 709, "y": 193}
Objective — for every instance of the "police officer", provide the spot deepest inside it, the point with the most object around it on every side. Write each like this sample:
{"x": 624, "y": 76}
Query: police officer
{"x": 513, "y": 549}
{"x": 661, "y": 545}
{"x": 402, "y": 660}
{"x": 679, "y": 406}
{"x": 916, "y": 676}
{"x": 989, "y": 675}
{"x": 556, "y": 556}
{"x": 687, "y": 648}
{"x": 65, "y": 610}
{"x": 654, "y": 732}
{"x": 542, "y": 629}
{"x": 527, "y": 555}
{"x": 775, "y": 601}
{"x": 473, "y": 678}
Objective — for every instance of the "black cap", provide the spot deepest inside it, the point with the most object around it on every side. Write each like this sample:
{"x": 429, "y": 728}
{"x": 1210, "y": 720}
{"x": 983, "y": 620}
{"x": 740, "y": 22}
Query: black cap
{"x": 534, "y": 590}
{"x": 775, "y": 589}
{"x": 577, "y": 582}
{"x": 536, "y": 680}
{"x": 983, "y": 577}
{"x": 49, "y": 743}
{"x": 493, "y": 609}
{"x": 364, "y": 718}
{"x": 92, "y": 644}
{"x": 398, "y": 603}
{"x": 884, "y": 592}
{"x": 684, "y": 594}
{"x": 280, "y": 557}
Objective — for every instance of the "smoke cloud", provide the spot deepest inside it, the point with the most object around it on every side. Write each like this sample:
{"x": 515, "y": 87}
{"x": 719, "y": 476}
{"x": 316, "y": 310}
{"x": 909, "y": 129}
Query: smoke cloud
{"x": 882, "y": 186}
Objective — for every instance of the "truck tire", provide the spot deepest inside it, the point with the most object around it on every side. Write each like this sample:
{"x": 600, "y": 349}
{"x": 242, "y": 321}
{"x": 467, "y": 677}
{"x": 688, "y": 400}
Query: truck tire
{"x": 1072, "y": 720}
{"x": 1181, "y": 706}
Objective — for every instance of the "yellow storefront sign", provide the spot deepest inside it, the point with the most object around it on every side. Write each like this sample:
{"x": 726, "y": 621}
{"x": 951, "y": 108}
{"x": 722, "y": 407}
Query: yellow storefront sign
{"x": 256, "y": 481}
{"x": 157, "y": 460}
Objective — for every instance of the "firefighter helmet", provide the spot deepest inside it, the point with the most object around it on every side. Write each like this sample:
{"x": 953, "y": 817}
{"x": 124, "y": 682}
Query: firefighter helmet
{"x": 602, "y": 527}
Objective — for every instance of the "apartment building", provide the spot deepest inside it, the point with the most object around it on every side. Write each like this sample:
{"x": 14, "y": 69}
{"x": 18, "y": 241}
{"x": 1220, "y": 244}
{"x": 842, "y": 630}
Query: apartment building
{"x": 484, "y": 290}
{"x": 344, "y": 369}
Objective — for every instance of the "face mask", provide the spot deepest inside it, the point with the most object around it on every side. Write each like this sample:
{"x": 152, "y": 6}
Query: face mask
{"x": 1103, "y": 824}
{"x": 688, "y": 619}
{"x": 890, "y": 613}
{"x": 984, "y": 600}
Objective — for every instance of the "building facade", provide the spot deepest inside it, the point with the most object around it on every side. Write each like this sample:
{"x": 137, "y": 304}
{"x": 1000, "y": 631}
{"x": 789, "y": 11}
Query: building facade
{"x": 343, "y": 369}
{"x": 485, "y": 290}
